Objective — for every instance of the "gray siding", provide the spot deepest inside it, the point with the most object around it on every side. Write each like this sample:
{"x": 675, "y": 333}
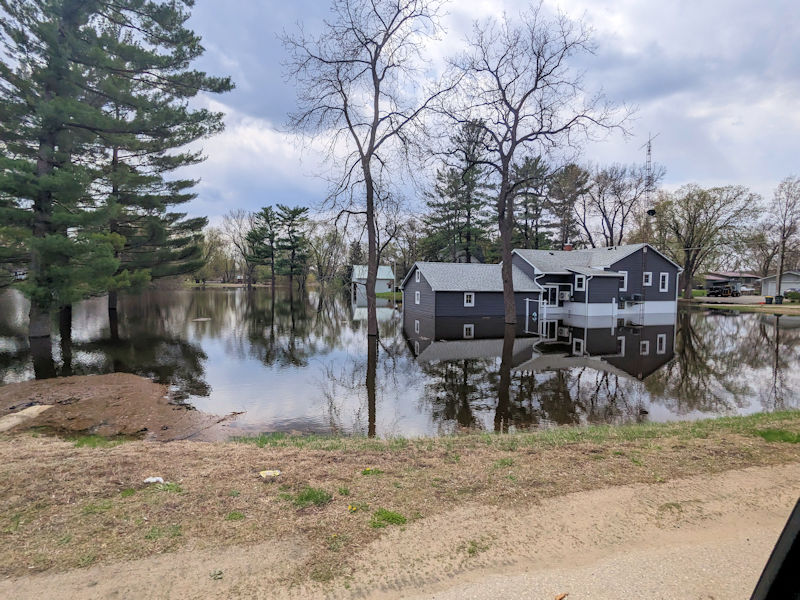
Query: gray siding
{"x": 523, "y": 266}
{"x": 487, "y": 304}
{"x": 603, "y": 289}
{"x": 640, "y": 262}
{"x": 790, "y": 281}
{"x": 427, "y": 302}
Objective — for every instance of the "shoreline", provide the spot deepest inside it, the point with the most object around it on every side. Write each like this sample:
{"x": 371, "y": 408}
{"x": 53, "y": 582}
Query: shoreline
{"x": 69, "y": 505}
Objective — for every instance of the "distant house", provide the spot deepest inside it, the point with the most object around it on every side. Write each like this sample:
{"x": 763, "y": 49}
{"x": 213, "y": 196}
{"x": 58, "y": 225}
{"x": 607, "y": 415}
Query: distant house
{"x": 789, "y": 281}
{"x": 741, "y": 281}
{"x": 358, "y": 286}
{"x": 618, "y": 282}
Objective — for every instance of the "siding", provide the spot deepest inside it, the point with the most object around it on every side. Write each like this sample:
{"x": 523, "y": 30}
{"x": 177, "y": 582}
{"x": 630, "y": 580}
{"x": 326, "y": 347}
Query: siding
{"x": 642, "y": 366}
{"x": 604, "y": 289}
{"x": 640, "y": 262}
{"x": 523, "y": 266}
{"x": 788, "y": 282}
{"x": 487, "y": 304}
{"x": 427, "y": 302}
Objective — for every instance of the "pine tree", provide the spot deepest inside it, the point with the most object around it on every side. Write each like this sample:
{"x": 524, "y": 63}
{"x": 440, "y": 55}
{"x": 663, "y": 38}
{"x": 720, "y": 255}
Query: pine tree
{"x": 567, "y": 186}
{"x": 263, "y": 239}
{"x": 532, "y": 215}
{"x": 293, "y": 242}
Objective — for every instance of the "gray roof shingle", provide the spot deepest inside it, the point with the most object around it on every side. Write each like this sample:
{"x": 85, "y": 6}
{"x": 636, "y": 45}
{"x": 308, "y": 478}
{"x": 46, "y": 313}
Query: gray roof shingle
{"x": 559, "y": 261}
{"x": 463, "y": 277}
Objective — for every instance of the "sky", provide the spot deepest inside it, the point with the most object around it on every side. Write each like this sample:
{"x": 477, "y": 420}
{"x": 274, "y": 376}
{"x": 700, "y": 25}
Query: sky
{"x": 717, "y": 82}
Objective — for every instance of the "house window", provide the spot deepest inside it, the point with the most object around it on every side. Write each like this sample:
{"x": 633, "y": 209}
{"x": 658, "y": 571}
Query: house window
{"x": 416, "y": 348}
{"x": 647, "y": 279}
{"x": 416, "y": 276}
{"x": 663, "y": 282}
{"x": 416, "y": 326}
{"x": 580, "y": 283}
{"x": 469, "y": 299}
{"x": 416, "y": 297}
{"x": 661, "y": 343}
{"x": 469, "y": 331}
{"x": 624, "y": 285}
{"x": 644, "y": 347}
{"x": 577, "y": 346}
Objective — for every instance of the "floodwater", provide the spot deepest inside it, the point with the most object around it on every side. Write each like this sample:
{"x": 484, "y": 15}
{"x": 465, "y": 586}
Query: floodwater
{"x": 307, "y": 366}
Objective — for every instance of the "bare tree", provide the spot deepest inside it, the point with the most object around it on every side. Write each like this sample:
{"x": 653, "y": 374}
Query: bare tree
{"x": 359, "y": 88}
{"x": 701, "y": 222}
{"x": 613, "y": 199}
{"x": 327, "y": 256}
{"x": 785, "y": 217}
{"x": 236, "y": 224}
{"x": 515, "y": 79}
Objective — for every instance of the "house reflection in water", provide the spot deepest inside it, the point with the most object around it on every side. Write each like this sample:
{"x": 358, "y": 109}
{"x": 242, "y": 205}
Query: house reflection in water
{"x": 576, "y": 369}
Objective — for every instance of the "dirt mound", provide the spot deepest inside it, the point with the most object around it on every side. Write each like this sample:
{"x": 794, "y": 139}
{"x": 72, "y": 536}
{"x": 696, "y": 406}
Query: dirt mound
{"x": 118, "y": 404}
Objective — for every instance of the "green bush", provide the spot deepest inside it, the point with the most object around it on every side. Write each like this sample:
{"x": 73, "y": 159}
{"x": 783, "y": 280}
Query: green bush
{"x": 793, "y": 296}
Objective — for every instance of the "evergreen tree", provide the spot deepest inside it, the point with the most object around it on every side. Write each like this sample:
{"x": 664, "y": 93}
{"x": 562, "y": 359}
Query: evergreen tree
{"x": 567, "y": 186}
{"x": 532, "y": 216}
{"x": 263, "y": 239}
{"x": 293, "y": 242}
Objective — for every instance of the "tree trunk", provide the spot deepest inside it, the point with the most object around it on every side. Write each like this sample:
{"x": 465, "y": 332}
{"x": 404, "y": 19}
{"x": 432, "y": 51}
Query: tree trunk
{"x": 779, "y": 277}
{"x": 372, "y": 255}
{"x": 372, "y": 364}
{"x": 502, "y": 414}
{"x": 506, "y": 224}
{"x": 65, "y": 332}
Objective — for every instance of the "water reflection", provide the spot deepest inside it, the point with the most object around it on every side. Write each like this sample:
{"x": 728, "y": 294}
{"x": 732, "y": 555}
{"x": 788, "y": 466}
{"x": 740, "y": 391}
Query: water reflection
{"x": 306, "y": 364}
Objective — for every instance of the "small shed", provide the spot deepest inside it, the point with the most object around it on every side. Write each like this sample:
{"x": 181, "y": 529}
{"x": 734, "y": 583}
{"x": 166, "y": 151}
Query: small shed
{"x": 358, "y": 288}
{"x": 790, "y": 281}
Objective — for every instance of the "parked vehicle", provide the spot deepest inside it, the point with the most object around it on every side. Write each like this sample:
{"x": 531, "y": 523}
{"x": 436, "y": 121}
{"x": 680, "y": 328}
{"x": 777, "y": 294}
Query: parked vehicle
{"x": 724, "y": 291}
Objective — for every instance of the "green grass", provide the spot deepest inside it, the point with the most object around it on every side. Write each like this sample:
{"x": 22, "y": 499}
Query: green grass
{"x": 97, "y": 508}
{"x": 169, "y": 486}
{"x": 127, "y": 492}
{"x": 234, "y": 493}
{"x": 234, "y": 515}
{"x": 343, "y": 491}
{"x": 503, "y": 462}
{"x": 547, "y": 438}
{"x": 396, "y": 296}
{"x": 96, "y": 441}
{"x": 309, "y": 496}
{"x": 698, "y": 293}
{"x": 156, "y": 532}
{"x": 371, "y": 471}
{"x": 780, "y": 435}
{"x": 383, "y": 518}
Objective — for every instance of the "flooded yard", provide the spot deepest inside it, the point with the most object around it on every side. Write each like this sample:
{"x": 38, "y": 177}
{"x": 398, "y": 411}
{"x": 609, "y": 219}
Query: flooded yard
{"x": 305, "y": 365}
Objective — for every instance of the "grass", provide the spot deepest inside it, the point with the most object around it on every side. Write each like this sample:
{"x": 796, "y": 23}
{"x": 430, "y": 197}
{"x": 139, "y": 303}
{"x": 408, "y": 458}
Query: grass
{"x": 396, "y": 296}
{"x": 371, "y": 471}
{"x": 309, "y": 496}
{"x": 699, "y": 293}
{"x": 234, "y": 515}
{"x": 382, "y": 518}
{"x": 780, "y": 435}
{"x": 54, "y": 523}
{"x": 96, "y": 441}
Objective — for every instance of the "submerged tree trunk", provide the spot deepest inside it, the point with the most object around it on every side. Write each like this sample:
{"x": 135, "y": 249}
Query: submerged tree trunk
{"x": 65, "y": 333}
{"x": 502, "y": 414}
{"x": 505, "y": 223}
{"x": 372, "y": 256}
{"x": 372, "y": 365}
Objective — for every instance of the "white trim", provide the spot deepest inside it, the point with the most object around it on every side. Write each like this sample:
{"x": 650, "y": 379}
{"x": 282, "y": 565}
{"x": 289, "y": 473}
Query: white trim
{"x": 577, "y": 346}
{"x": 416, "y": 297}
{"x": 580, "y": 283}
{"x": 661, "y": 343}
{"x": 647, "y": 278}
{"x": 663, "y": 286}
{"x": 471, "y": 301}
{"x": 416, "y": 276}
{"x": 621, "y": 339}
{"x": 644, "y": 347}
{"x": 469, "y": 331}
{"x": 416, "y": 347}
{"x": 624, "y": 287}
{"x": 416, "y": 325}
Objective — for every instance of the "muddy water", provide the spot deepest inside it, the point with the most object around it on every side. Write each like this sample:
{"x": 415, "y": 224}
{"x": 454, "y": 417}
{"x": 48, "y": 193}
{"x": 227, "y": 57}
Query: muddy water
{"x": 306, "y": 365}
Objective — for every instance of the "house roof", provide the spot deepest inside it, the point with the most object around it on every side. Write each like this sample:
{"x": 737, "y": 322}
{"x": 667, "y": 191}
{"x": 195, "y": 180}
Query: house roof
{"x": 563, "y": 261}
{"x": 594, "y": 272}
{"x": 470, "y": 277}
{"x": 785, "y": 273}
{"x": 384, "y": 272}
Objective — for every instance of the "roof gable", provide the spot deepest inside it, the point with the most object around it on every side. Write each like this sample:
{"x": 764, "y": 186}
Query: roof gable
{"x": 565, "y": 261}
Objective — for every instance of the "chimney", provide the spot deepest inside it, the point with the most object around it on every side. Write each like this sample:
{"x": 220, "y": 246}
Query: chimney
{"x": 567, "y": 246}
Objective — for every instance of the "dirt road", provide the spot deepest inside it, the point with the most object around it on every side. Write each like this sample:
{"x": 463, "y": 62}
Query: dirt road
{"x": 702, "y": 537}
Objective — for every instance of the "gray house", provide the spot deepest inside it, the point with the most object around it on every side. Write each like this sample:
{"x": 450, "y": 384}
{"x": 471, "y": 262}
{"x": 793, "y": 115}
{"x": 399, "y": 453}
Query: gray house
{"x": 618, "y": 281}
{"x": 789, "y": 281}
{"x": 435, "y": 293}
{"x": 358, "y": 286}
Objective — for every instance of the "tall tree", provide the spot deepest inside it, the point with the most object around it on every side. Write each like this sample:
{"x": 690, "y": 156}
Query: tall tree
{"x": 701, "y": 222}
{"x": 237, "y": 223}
{"x": 568, "y": 189}
{"x": 293, "y": 243}
{"x": 533, "y": 221}
{"x": 785, "y": 218}
{"x": 516, "y": 81}
{"x": 262, "y": 240}
{"x": 357, "y": 83}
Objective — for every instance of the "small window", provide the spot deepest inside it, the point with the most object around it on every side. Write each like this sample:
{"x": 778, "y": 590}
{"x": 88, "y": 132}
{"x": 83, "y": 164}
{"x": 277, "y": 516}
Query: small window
{"x": 416, "y": 276}
{"x": 623, "y": 287}
{"x": 663, "y": 282}
{"x": 416, "y": 326}
{"x": 416, "y": 297}
{"x": 416, "y": 348}
{"x": 577, "y": 346}
{"x": 469, "y": 331}
{"x": 580, "y": 283}
{"x": 469, "y": 299}
{"x": 661, "y": 343}
{"x": 647, "y": 279}
{"x": 644, "y": 347}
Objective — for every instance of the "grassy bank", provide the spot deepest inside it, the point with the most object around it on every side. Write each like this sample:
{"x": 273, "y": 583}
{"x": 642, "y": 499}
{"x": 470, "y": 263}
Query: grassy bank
{"x": 396, "y": 296}
{"x": 73, "y": 503}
